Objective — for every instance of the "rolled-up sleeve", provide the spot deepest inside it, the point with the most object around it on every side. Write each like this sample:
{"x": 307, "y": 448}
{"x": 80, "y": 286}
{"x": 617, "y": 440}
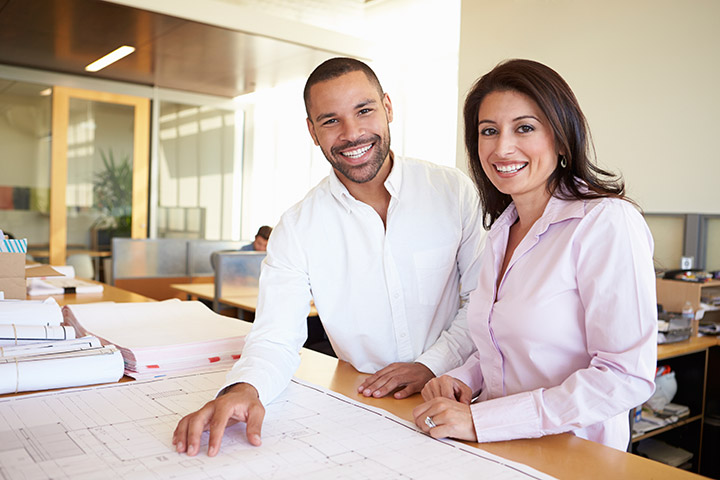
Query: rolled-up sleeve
{"x": 271, "y": 354}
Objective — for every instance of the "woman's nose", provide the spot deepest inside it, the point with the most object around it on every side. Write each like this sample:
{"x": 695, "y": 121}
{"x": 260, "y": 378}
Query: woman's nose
{"x": 505, "y": 145}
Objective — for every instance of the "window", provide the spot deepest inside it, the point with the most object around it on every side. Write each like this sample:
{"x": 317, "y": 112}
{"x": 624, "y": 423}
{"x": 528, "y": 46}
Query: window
{"x": 198, "y": 193}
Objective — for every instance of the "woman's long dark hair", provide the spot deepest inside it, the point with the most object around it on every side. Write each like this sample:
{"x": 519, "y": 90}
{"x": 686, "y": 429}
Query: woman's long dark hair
{"x": 556, "y": 100}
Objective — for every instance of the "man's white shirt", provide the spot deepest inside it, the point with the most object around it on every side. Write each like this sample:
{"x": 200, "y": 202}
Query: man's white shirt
{"x": 384, "y": 294}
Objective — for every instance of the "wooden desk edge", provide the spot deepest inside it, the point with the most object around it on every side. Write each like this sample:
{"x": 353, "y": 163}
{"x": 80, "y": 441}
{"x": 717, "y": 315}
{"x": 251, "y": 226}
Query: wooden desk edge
{"x": 564, "y": 456}
{"x": 692, "y": 345}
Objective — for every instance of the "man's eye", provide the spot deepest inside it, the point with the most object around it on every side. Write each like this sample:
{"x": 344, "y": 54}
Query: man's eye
{"x": 526, "y": 128}
{"x": 486, "y": 132}
{"x": 330, "y": 122}
{"x": 363, "y": 111}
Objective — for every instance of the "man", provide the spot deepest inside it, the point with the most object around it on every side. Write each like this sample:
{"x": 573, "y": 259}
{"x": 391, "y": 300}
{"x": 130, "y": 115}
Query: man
{"x": 386, "y": 247}
{"x": 261, "y": 239}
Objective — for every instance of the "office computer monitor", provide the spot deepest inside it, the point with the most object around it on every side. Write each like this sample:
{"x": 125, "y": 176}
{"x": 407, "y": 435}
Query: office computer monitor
{"x": 711, "y": 238}
{"x": 668, "y": 231}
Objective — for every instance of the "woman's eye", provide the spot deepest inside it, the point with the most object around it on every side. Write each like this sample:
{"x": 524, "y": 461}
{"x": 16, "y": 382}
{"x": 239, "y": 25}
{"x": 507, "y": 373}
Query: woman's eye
{"x": 526, "y": 128}
{"x": 486, "y": 132}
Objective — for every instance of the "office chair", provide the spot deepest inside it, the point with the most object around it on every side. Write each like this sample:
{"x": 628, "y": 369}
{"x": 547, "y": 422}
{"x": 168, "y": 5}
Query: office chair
{"x": 83, "y": 265}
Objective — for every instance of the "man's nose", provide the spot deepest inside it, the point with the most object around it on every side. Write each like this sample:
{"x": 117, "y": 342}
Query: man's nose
{"x": 352, "y": 130}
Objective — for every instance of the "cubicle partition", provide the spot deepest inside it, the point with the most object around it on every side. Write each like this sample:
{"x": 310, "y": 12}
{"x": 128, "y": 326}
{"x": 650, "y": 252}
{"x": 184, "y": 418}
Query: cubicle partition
{"x": 150, "y": 266}
{"x": 236, "y": 275}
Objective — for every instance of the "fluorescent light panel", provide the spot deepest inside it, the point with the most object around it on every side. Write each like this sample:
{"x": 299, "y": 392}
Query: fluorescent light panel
{"x": 111, "y": 57}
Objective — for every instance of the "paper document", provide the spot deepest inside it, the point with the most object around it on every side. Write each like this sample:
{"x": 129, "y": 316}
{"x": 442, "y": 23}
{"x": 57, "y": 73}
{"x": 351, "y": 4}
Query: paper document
{"x": 61, "y": 286}
{"x": 157, "y": 338}
{"x": 125, "y": 431}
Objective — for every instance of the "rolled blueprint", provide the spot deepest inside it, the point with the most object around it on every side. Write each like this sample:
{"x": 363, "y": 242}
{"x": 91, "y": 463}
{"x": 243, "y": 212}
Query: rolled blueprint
{"x": 22, "y": 334}
{"x": 89, "y": 367}
{"x": 30, "y": 312}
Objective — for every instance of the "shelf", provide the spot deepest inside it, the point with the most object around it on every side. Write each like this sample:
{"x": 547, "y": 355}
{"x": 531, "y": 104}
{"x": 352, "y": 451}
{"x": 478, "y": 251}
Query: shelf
{"x": 665, "y": 428}
{"x": 694, "y": 344}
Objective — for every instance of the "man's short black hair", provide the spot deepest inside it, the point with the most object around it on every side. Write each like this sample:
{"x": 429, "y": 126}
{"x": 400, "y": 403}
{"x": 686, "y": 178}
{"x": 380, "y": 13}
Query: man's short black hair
{"x": 334, "y": 68}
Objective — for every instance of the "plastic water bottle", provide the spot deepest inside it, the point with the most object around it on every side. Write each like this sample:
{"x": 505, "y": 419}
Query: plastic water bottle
{"x": 689, "y": 314}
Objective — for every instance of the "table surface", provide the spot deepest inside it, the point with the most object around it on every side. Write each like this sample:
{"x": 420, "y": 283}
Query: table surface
{"x": 244, "y": 298}
{"x": 109, "y": 294}
{"x": 45, "y": 253}
{"x": 563, "y": 456}
{"x": 694, "y": 344}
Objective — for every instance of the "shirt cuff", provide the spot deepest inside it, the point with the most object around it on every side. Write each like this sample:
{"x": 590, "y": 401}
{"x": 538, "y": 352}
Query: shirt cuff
{"x": 267, "y": 390}
{"x": 506, "y": 418}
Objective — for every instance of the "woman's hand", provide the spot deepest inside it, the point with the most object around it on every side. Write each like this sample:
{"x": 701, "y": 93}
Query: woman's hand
{"x": 447, "y": 387}
{"x": 447, "y": 418}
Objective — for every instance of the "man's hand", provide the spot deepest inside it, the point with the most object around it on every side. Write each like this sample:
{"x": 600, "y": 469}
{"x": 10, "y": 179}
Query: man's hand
{"x": 447, "y": 418}
{"x": 447, "y": 387}
{"x": 412, "y": 376}
{"x": 239, "y": 403}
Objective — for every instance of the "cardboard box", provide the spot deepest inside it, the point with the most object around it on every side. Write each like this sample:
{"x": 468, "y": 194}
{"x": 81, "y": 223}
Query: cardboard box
{"x": 13, "y": 274}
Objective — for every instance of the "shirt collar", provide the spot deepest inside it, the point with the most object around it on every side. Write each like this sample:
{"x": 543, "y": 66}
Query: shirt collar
{"x": 557, "y": 210}
{"x": 392, "y": 184}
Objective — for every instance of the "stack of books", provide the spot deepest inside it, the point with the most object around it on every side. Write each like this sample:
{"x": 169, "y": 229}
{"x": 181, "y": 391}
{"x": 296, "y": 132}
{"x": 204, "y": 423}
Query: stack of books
{"x": 162, "y": 338}
{"x": 38, "y": 353}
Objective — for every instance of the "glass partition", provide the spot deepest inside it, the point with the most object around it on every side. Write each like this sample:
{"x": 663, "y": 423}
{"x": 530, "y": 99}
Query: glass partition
{"x": 25, "y": 162}
{"x": 99, "y": 173}
{"x": 200, "y": 160}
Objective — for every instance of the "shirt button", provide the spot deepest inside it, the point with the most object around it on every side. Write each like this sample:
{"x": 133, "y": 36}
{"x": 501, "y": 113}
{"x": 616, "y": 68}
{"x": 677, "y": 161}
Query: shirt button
{"x": 403, "y": 335}
{"x": 396, "y": 295}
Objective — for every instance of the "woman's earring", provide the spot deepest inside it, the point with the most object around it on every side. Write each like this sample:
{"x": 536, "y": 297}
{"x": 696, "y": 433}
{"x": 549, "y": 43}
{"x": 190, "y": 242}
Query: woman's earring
{"x": 563, "y": 161}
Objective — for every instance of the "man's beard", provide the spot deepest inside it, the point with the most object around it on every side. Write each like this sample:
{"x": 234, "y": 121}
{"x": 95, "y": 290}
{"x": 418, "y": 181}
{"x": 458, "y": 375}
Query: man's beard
{"x": 368, "y": 170}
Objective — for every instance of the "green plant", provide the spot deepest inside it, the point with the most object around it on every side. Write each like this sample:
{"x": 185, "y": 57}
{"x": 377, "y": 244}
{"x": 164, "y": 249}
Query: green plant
{"x": 112, "y": 189}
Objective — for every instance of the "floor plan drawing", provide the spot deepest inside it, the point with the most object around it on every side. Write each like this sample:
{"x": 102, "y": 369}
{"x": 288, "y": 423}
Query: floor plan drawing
{"x": 124, "y": 431}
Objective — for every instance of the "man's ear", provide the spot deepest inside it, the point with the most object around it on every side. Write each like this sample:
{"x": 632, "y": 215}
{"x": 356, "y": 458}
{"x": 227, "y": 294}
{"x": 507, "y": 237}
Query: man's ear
{"x": 388, "y": 107}
{"x": 311, "y": 129}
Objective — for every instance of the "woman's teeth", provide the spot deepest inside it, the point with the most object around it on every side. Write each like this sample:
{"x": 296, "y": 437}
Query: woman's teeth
{"x": 510, "y": 168}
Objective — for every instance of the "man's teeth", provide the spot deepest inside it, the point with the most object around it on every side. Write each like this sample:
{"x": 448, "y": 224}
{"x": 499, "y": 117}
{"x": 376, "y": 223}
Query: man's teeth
{"x": 510, "y": 168}
{"x": 357, "y": 153}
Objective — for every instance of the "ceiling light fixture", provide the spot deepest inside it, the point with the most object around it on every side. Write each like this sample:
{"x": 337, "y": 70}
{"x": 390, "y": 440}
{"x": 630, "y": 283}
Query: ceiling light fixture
{"x": 111, "y": 57}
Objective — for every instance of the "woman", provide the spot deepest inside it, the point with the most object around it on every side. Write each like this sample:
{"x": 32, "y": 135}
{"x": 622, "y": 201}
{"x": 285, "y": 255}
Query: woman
{"x": 564, "y": 315}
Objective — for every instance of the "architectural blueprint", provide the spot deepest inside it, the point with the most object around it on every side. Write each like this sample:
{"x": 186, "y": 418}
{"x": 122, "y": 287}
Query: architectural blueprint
{"x": 124, "y": 431}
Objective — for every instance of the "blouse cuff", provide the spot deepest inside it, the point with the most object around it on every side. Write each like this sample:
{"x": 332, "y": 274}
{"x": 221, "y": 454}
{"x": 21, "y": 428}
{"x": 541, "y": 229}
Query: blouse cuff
{"x": 506, "y": 418}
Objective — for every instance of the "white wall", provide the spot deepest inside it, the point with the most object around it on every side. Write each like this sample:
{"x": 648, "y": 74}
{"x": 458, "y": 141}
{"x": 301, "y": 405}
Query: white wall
{"x": 415, "y": 55}
{"x": 416, "y": 62}
{"x": 646, "y": 74}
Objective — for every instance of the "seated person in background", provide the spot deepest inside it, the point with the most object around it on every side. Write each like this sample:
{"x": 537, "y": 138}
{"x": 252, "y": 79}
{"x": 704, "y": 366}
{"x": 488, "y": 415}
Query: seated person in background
{"x": 261, "y": 239}
{"x": 564, "y": 316}
{"x": 386, "y": 247}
